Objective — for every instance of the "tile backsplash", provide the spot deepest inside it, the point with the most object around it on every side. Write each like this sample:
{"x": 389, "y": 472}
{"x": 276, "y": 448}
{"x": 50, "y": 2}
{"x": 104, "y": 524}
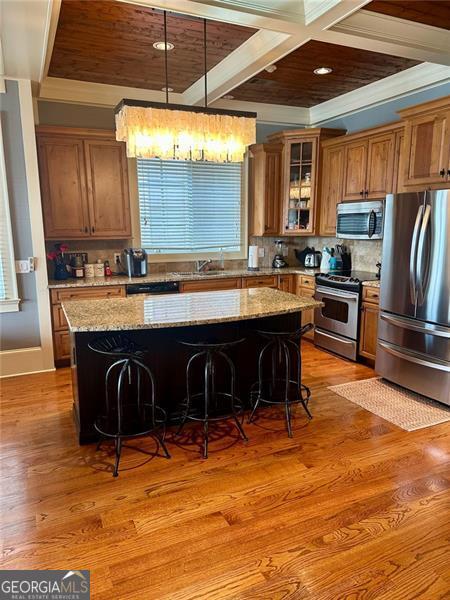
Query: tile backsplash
{"x": 365, "y": 253}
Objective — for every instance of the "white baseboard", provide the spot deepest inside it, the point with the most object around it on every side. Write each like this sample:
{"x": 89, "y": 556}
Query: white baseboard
{"x": 25, "y": 361}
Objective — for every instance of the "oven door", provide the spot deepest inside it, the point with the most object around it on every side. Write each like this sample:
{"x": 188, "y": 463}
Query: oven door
{"x": 339, "y": 313}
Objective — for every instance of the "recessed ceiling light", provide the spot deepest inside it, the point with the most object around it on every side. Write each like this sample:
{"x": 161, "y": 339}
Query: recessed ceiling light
{"x": 169, "y": 89}
{"x": 271, "y": 68}
{"x": 322, "y": 71}
{"x": 162, "y": 46}
{"x": 228, "y": 97}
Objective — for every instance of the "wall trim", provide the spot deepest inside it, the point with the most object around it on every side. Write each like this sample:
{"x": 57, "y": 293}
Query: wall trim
{"x": 46, "y": 361}
{"x": 23, "y": 361}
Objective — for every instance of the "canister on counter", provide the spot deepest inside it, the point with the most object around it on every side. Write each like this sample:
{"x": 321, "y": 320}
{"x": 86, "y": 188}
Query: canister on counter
{"x": 89, "y": 270}
{"x": 99, "y": 268}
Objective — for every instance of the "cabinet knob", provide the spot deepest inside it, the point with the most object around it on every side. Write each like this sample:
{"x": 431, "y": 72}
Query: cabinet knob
{"x": 85, "y": 229}
{"x": 361, "y": 193}
{"x": 92, "y": 229}
{"x": 442, "y": 172}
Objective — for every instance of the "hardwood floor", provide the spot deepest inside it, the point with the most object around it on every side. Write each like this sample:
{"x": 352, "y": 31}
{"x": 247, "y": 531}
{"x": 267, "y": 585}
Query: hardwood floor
{"x": 351, "y": 508}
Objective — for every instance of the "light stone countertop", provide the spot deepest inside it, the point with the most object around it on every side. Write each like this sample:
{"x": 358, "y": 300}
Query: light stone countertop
{"x": 175, "y": 276}
{"x": 374, "y": 284}
{"x": 181, "y": 310}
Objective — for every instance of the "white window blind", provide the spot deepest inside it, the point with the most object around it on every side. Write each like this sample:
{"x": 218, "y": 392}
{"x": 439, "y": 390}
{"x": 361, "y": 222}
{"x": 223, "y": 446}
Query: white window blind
{"x": 189, "y": 207}
{"x": 8, "y": 283}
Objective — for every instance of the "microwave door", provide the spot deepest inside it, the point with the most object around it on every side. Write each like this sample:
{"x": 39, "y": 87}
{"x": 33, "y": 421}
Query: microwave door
{"x": 402, "y": 222}
{"x": 433, "y": 260}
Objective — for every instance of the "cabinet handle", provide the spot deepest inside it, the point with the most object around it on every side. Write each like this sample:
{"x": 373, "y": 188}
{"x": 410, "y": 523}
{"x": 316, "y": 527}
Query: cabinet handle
{"x": 442, "y": 172}
{"x": 361, "y": 193}
{"x": 85, "y": 229}
{"x": 92, "y": 229}
{"x": 448, "y": 172}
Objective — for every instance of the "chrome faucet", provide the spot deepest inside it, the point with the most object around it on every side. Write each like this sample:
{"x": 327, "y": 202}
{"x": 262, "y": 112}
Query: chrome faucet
{"x": 201, "y": 264}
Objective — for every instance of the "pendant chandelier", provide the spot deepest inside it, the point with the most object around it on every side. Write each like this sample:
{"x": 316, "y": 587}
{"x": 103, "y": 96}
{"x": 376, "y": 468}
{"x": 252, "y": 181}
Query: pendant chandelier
{"x": 176, "y": 131}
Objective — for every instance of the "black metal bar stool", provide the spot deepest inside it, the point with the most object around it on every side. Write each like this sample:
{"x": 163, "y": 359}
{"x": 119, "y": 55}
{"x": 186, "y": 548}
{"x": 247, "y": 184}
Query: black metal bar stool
{"x": 206, "y": 410}
{"x": 132, "y": 412}
{"x": 284, "y": 386}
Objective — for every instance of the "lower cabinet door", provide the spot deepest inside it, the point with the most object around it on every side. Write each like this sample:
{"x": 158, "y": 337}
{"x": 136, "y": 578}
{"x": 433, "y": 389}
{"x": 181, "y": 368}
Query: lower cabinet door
{"x": 61, "y": 344}
{"x": 369, "y": 330}
{"x": 286, "y": 283}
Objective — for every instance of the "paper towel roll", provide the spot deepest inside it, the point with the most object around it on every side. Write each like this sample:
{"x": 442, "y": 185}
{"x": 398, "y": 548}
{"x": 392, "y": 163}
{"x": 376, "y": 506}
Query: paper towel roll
{"x": 253, "y": 258}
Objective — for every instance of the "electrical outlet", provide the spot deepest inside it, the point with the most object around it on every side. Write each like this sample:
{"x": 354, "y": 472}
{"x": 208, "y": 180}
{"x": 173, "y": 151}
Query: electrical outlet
{"x": 32, "y": 263}
{"x": 285, "y": 250}
{"x": 261, "y": 251}
{"x": 117, "y": 256}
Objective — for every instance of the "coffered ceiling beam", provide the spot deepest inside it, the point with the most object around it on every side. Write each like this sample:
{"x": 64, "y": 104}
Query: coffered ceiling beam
{"x": 390, "y": 35}
{"x": 414, "y": 79}
{"x": 261, "y": 50}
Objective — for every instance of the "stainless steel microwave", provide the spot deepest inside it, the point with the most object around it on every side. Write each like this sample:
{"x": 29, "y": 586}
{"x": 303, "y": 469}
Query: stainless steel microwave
{"x": 360, "y": 220}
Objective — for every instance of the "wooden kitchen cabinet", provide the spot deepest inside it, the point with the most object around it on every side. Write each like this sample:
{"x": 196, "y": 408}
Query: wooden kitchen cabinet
{"x": 63, "y": 187}
{"x": 306, "y": 286}
{"x": 301, "y": 162}
{"x": 211, "y": 285}
{"x": 265, "y": 169}
{"x": 107, "y": 179}
{"x": 270, "y": 281}
{"x": 369, "y": 322}
{"x": 286, "y": 283}
{"x": 84, "y": 184}
{"x": 355, "y": 170}
{"x": 369, "y": 167}
{"x": 331, "y": 193}
{"x": 426, "y": 151}
{"x": 61, "y": 336}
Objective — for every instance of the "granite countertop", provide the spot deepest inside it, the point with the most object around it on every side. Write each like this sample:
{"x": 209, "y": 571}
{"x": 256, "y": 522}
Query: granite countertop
{"x": 374, "y": 284}
{"x": 176, "y": 276}
{"x": 181, "y": 310}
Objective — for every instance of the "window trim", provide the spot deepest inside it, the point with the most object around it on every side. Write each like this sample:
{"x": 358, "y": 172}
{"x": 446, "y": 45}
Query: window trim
{"x": 191, "y": 257}
{"x": 8, "y": 304}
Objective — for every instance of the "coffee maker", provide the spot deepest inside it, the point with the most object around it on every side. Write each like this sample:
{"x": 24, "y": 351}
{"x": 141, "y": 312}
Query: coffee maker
{"x": 279, "y": 261}
{"x": 135, "y": 262}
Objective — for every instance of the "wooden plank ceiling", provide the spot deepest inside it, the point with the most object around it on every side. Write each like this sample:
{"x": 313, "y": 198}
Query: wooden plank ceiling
{"x": 295, "y": 84}
{"x": 428, "y": 12}
{"x": 112, "y": 42}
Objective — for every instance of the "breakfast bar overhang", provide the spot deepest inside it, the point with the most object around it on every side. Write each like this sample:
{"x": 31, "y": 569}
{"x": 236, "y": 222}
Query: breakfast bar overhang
{"x": 159, "y": 324}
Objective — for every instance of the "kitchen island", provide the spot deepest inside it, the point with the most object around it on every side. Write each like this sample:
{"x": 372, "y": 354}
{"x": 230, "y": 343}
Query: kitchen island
{"x": 158, "y": 324}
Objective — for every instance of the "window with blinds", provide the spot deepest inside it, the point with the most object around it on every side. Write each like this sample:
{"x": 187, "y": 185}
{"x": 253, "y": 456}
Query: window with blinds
{"x": 189, "y": 207}
{"x": 8, "y": 283}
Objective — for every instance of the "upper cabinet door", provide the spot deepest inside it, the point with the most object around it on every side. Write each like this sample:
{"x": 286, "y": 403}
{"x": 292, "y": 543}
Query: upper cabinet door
{"x": 331, "y": 192}
{"x": 108, "y": 193}
{"x": 427, "y": 147}
{"x": 355, "y": 170}
{"x": 272, "y": 190}
{"x": 380, "y": 166}
{"x": 63, "y": 186}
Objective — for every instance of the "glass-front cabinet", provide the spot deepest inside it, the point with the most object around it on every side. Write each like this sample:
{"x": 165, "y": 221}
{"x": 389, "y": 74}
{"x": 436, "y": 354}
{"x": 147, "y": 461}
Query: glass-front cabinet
{"x": 299, "y": 197}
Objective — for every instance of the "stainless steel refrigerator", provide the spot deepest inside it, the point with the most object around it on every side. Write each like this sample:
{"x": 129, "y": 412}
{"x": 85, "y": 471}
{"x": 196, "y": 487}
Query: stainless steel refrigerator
{"x": 414, "y": 324}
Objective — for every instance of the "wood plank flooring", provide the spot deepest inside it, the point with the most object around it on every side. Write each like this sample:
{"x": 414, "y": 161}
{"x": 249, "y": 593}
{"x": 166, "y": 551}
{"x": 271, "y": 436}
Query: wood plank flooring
{"x": 351, "y": 508}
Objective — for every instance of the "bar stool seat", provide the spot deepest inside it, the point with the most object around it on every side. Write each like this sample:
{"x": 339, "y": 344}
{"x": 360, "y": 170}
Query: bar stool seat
{"x": 198, "y": 406}
{"x": 130, "y": 411}
{"x": 283, "y": 386}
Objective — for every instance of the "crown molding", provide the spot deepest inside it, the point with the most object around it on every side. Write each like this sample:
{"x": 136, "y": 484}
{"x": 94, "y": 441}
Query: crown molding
{"x": 406, "y": 82}
{"x": 97, "y": 94}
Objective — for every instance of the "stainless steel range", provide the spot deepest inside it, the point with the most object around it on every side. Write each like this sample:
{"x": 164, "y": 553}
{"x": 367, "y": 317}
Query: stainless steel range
{"x": 337, "y": 321}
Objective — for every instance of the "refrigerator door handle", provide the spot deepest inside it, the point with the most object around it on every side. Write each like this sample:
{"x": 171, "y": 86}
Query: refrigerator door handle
{"x": 420, "y": 254}
{"x": 436, "y": 330}
{"x": 440, "y": 365}
{"x": 413, "y": 255}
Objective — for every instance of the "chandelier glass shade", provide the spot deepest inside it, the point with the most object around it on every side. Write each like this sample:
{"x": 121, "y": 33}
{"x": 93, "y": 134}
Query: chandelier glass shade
{"x": 171, "y": 131}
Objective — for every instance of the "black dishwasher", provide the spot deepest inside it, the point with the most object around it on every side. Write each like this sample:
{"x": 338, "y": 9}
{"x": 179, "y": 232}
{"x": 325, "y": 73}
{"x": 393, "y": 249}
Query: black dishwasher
{"x": 157, "y": 287}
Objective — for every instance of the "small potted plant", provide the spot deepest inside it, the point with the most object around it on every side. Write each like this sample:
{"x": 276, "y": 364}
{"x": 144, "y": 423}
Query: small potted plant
{"x": 57, "y": 256}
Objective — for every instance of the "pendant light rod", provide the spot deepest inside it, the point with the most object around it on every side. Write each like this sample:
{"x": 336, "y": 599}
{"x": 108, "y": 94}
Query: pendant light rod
{"x": 204, "y": 62}
{"x": 165, "y": 57}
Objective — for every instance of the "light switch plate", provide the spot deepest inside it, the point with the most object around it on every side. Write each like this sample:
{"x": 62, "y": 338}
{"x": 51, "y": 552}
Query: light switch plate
{"x": 261, "y": 251}
{"x": 22, "y": 266}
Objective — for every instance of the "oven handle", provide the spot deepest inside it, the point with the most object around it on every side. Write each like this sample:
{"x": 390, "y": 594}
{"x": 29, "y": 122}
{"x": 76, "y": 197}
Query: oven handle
{"x": 335, "y": 293}
{"x": 338, "y": 339}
